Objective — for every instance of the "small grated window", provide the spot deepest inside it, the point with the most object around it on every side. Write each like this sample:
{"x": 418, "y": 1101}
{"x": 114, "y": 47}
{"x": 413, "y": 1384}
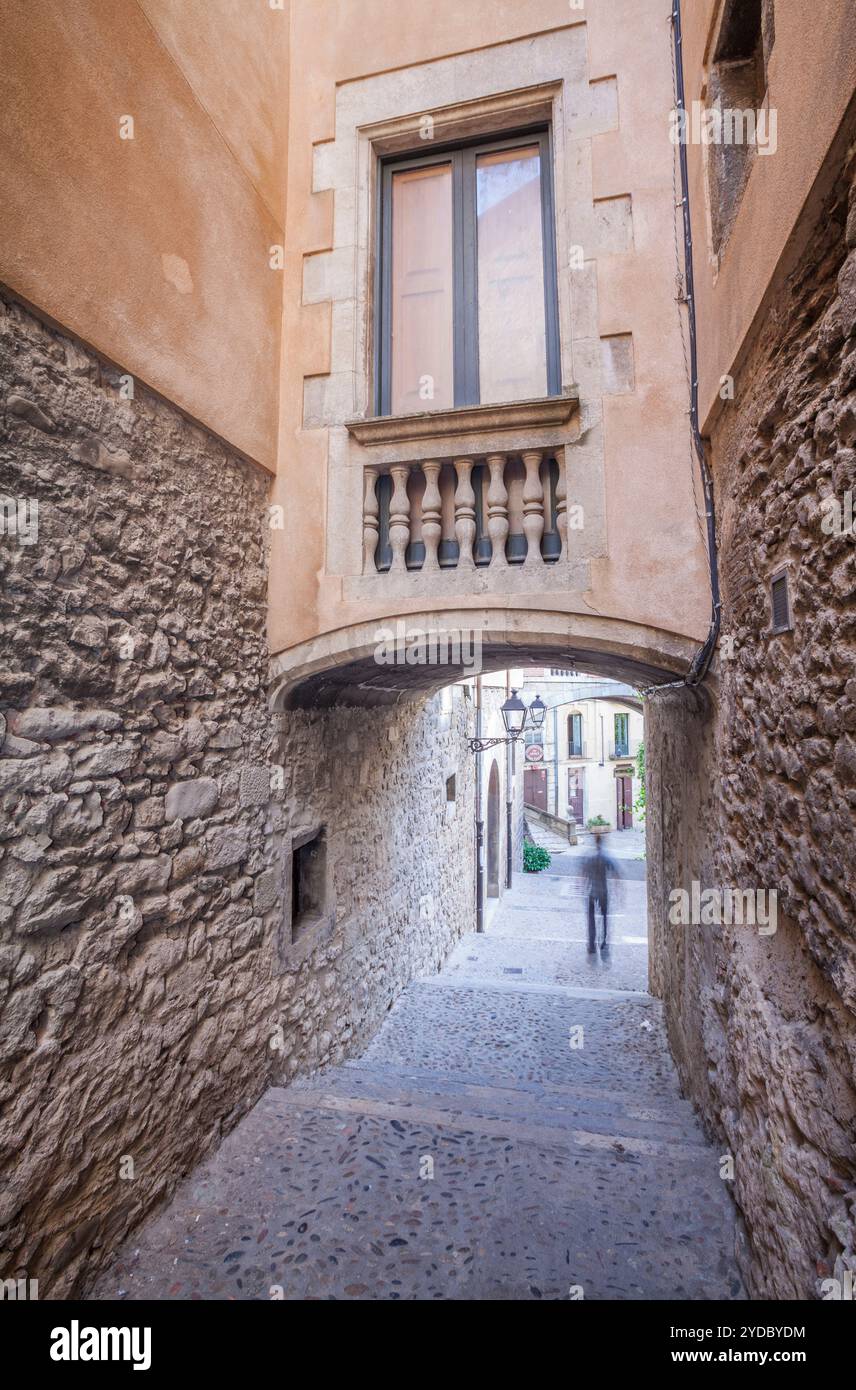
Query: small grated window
{"x": 780, "y": 603}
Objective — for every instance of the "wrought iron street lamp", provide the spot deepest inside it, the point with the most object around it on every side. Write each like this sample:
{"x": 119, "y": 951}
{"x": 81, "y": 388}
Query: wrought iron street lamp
{"x": 514, "y": 716}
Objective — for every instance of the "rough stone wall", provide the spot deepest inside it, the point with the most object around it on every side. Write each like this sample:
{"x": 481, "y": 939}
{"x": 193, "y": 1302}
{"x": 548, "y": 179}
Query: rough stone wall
{"x": 148, "y": 987}
{"x": 400, "y": 865}
{"x": 760, "y": 791}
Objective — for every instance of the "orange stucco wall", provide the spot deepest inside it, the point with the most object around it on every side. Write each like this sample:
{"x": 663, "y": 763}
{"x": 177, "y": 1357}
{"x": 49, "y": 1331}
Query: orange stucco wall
{"x": 153, "y": 250}
{"x": 811, "y": 79}
{"x": 651, "y": 516}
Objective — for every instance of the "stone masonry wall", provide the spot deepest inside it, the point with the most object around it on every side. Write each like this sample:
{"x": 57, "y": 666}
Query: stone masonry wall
{"x": 149, "y": 988}
{"x": 760, "y": 791}
{"x": 400, "y": 865}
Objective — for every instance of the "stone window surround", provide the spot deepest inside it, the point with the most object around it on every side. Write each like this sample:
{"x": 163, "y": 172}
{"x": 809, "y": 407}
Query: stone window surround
{"x": 321, "y": 926}
{"x": 368, "y": 126}
{"x": 485, "y": 117}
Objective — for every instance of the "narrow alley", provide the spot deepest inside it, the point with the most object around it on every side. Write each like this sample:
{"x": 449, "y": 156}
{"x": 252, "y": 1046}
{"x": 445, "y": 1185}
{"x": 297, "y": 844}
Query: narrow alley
{"x": 514, "y": 1131}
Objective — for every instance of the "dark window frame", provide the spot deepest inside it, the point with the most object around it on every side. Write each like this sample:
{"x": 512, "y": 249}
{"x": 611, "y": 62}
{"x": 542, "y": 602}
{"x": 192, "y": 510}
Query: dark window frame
{"x": 462, "y": 156}
{"x": 781, "y": 576}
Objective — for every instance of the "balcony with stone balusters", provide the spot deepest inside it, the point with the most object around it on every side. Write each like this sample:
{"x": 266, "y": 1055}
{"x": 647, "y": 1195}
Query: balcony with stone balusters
{"x": 440, "y": 519}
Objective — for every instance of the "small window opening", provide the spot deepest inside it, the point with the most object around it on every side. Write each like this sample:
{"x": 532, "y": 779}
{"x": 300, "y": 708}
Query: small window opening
{"x": 737, "y": 87}
{"x": 308, "y": 882}
{"x": 451, "y": 788}
{"x": 780, "y": 602}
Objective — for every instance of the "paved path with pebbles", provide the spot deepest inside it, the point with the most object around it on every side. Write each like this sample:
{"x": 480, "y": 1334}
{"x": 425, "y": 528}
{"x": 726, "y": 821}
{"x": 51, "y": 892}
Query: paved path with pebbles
{"x": 471, "y": 1152}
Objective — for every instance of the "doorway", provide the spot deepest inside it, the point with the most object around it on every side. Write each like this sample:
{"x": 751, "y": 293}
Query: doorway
{"x": 624, "y": 803}
{"x": 535, "y": 788}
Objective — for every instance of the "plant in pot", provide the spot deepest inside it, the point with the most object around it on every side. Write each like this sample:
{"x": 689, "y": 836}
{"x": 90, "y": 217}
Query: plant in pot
{"x": 597, "y": 825}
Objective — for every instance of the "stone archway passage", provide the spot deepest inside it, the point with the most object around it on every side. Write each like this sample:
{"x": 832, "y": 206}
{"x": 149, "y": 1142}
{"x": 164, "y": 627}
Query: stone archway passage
{"x": 398, "y": 657}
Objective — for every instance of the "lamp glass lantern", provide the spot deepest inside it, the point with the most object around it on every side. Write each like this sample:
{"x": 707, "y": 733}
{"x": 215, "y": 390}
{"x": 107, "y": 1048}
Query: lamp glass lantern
{"x": 537, "y": 711}
{"x": 514, "y": 715}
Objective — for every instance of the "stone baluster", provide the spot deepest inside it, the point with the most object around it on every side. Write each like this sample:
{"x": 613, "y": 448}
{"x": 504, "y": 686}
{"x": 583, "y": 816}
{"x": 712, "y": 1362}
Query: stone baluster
{"x": 465, "y": 513}
{"x": 562, "y": 504}
{"x": 370, "y": 521}
{"x": 497, "y": 515}
{"x": 399, "y": 518}
{"x": 533, "y": 506}
{"x": 432, "y": 527}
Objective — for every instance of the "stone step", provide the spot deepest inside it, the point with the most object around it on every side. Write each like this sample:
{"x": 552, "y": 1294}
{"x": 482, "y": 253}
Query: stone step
{"x": 549, "y": 1095}
{"x": 328, "y": 1203}
{"x": 504, "y": 1034}
{"x": 590, "y": 1122}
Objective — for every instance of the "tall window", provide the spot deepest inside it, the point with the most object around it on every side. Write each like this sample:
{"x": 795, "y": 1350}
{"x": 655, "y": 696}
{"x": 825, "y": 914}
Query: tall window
{"x": 622, "y": 735}
{"x": 467, "y": 310}
{"x": 575, "y": 736}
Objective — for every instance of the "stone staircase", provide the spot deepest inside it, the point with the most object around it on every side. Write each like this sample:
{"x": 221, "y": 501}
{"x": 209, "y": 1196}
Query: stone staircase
{"x": 544, "y": 836}
{"x": 498, "y": 1139}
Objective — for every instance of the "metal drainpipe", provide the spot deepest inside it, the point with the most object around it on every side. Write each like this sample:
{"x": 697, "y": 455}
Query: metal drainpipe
{"x": 509, "y": 799}
{"x": 555, "y": 761}
{"x": 479, "y": 820}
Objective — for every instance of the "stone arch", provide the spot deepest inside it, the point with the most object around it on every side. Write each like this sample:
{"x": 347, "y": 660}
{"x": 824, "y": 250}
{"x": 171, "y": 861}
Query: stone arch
{"x": 346, "y": 666}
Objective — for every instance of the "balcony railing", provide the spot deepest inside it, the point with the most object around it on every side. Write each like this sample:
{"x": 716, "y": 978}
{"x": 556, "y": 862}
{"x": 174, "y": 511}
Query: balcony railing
{"x": 498, "y": 510}
{"x": 626, "y": 749}
{"x": 578, "y": 749}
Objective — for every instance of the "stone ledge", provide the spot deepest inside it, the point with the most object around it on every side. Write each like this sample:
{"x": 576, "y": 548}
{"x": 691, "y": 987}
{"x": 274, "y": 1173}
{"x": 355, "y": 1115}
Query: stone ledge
{"x": 542, "y": 412}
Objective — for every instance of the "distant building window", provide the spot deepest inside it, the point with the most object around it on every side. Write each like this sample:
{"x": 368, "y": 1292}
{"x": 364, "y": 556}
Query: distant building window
{"x": 533, "y": 736}
{"x": 622, "y": 735}
{"x": 575, "y": 736}
{"x": 468, "y": 293}
{"x": 736, "y": 91}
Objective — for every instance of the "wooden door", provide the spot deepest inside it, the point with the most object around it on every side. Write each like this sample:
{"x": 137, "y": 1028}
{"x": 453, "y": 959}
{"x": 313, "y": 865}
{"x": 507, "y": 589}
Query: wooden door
{"x": 576, "y": 778}
{"x": 535, "y": 787}
{"x": 624, "y": 803}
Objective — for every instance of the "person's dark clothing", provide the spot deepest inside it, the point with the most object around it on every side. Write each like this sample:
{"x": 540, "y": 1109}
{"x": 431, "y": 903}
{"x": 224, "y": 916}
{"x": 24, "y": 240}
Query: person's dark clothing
{"x": 596, "y": 869}
{"x": 601, "y": 904}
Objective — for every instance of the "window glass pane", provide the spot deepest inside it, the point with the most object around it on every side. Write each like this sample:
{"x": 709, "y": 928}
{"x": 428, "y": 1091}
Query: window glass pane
{"x": 422, "y": 374}
{"x": 512, "y": 334}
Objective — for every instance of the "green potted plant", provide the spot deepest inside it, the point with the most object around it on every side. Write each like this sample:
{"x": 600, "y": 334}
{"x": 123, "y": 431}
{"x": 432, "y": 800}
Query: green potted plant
{"x": 535, "y": 859}
{"x": 597, "y": 825}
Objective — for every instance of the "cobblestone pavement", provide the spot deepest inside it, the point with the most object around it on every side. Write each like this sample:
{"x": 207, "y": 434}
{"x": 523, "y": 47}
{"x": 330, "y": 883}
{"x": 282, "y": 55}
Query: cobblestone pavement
{"x": 514, "y": 1131}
